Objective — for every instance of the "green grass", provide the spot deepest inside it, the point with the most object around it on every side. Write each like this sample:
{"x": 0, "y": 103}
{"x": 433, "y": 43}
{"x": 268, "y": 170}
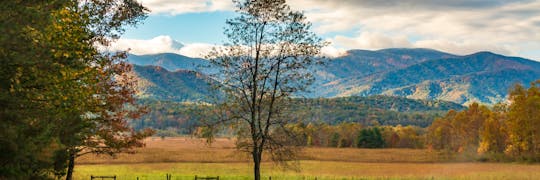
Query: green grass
{"x": 323, "y": 170}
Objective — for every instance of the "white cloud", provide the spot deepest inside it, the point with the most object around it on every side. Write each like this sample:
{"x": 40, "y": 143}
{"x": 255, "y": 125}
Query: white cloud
{"x": 198, "y": 50}
{"x": 371, "y": 41}
{"x": 458, "y": 26}
{"x": 332, "y": 52}
{"x": 174, "y": 7}
{"x": 461, "y": 26}
{"x": 160, "y": 44}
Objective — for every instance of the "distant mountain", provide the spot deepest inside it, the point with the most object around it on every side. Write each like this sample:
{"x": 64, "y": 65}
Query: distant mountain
{"x": 169, "y": 61}
{"x": 483, "y": 77}
{"x": 412, "y": 73}
{"x": 155, "y": 82}
{"x": 364, "y": 62}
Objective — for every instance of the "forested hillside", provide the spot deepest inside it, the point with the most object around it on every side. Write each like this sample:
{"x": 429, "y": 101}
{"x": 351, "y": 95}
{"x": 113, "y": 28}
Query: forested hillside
{"x": 183, "y": 118}
{"x": 482, "y": 77}
{"x": 413, "y": 73}
{"x": 158, "y": 83}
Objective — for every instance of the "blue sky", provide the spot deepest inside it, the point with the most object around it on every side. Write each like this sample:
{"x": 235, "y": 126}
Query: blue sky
{"x": 204, "y": 27}
{"x": 191, "y": 27}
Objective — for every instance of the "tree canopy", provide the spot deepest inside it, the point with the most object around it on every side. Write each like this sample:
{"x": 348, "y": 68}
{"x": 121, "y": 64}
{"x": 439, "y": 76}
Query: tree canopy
{"x": 59, "y": 95}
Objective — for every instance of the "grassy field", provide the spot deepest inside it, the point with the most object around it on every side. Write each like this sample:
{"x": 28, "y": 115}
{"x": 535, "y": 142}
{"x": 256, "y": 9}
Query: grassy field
{"x": 223, "y": 150}
{"x": 184, "y": 158}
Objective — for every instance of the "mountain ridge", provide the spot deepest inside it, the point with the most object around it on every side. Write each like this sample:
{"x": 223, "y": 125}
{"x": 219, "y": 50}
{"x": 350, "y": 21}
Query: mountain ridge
{"x": 412, "y": 73}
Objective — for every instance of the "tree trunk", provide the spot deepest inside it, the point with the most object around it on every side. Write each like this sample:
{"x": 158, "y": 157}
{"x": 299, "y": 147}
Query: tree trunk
{"x": 71, "y": 165}
{"x": 257, "y": 165}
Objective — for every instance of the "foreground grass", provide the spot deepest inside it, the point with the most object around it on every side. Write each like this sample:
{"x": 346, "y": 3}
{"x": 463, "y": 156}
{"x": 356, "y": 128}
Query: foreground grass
{"x": 185, "y": 157}
{"x": 320, "y": 169}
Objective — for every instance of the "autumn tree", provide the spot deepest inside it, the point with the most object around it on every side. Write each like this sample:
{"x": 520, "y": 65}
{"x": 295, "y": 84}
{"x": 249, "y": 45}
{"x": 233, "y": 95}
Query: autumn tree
{"x": 466, "y": 127}
{"x": 265, "y": 61}
{"x": 458, "y": 131}
{"x": 493, "y": 135}
{"x": 523, "y": 124}
{"x": 439, "y": 134}
{"x": 60, "y": 96}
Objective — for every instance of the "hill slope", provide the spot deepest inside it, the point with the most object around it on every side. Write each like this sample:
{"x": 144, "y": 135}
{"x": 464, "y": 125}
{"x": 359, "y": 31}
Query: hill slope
{"x": 182, "y": 85}
{"x": 169, "y": 61}
{"x": 413, "y": 73}
{"x": 484, "y": 77}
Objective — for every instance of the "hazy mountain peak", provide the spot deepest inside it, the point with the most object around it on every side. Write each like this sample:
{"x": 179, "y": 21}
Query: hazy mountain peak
{"x": 418, "y": 73}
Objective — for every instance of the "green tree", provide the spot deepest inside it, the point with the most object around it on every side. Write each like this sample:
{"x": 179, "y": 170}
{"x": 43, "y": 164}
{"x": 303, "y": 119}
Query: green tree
{"x": 334, "y": 140}
{"x": 58, "y": 92}
{"x": 370, "y": 138}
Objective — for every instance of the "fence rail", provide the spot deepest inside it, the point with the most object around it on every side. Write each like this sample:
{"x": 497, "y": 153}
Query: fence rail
{"x": 102, "y": 177}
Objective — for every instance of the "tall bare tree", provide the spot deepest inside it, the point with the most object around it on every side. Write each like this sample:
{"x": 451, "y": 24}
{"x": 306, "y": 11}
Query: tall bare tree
{"x": 265, "y": 61}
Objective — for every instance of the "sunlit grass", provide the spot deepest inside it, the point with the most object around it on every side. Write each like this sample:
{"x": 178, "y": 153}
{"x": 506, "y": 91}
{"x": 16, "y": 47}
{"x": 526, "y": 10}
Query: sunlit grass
{"x": 184, "y": 158}
{"x": 319, "y": 169}
{"x": 195, "y": 150}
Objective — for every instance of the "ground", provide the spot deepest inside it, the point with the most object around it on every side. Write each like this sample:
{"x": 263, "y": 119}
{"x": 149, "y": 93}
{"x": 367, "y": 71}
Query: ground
{"x": 186, "y": 157}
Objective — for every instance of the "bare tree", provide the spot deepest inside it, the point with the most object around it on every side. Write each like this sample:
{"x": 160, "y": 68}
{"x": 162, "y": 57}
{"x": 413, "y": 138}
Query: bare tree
{"x": 265, "y": 61}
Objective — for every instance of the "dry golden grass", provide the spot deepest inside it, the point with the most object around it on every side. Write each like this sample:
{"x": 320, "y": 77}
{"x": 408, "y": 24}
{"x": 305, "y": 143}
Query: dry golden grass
{"x": 184, "y": 149}
{"x": 177, "y": 149}
{"x": 186, "y": 157}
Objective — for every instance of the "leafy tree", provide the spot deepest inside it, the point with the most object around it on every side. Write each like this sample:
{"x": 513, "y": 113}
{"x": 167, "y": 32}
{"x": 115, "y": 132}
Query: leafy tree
{"x": 439, "y": 134}
{"x": 21, "y": 145}
{"x": 523, "y": 122}
{"x": 59, "y": 95}
{"x": 407, "y": 137}
{"x": 493, "y": 133}
{"x": 370, "y": 138}
{"x": 334, "y": 140}
{"x": 459, "y": 131}
{"x": 265, "y": 61}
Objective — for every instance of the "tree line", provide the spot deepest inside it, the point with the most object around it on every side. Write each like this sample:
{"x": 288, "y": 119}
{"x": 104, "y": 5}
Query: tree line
{"x": 507, "y": 131}
{"x": 171, "y": 118}
{"x": 355, "y": 135}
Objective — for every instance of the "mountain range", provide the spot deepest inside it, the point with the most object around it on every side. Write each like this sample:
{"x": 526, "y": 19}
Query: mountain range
{"x": 428, "y": 74}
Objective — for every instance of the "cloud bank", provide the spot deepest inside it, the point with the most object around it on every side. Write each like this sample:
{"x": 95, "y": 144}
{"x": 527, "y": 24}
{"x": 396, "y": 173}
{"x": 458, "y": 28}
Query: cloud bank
{"x": 174, "y": 7}
{"x": 160, "y": 44}
{"x": 457, "y": 26}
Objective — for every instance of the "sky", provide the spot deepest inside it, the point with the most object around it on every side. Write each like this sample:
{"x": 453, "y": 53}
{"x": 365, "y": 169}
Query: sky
{"x": 508, "y": 27}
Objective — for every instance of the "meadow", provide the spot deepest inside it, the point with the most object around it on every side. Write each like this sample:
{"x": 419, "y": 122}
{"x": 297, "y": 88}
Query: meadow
{"x": 186, "y": 157}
